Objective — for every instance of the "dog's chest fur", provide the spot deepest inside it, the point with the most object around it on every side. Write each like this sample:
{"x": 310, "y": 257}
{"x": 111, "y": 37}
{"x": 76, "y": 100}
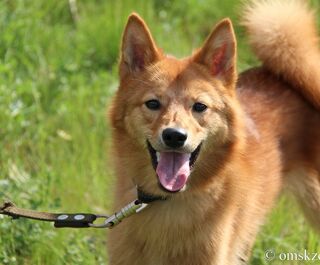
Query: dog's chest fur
{"x": 181, "y": 231}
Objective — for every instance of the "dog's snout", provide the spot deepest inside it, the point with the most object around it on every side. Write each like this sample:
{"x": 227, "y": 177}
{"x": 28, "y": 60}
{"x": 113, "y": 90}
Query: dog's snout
{"x": 174, "y": 137}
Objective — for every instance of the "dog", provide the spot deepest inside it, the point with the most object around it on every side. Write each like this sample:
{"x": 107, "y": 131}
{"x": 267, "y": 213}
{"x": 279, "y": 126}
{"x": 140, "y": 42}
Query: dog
{"x": 213, "y": 147}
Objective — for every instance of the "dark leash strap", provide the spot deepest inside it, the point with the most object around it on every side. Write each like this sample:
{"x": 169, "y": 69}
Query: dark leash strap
{"x": 76, "y": 220}
{"x": 81, "y": 220}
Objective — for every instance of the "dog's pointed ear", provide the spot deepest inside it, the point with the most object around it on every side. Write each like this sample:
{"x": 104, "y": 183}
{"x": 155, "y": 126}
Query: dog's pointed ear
{"x": 138, "y": 48}
{"x": 218, "y": 53}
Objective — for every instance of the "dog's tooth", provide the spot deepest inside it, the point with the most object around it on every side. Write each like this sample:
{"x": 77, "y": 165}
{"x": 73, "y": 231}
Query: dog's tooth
{"x": 184, "y": 188}
{"x": 158, "y": 156}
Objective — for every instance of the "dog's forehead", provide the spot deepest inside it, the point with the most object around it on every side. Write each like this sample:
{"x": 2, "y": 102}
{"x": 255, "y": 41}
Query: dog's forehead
{"x": 175, "y": 74}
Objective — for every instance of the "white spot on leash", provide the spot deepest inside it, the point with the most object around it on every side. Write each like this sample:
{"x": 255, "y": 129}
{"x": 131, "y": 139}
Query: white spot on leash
{"x": 63, "y": 217}
{"x": 79, "y": 217}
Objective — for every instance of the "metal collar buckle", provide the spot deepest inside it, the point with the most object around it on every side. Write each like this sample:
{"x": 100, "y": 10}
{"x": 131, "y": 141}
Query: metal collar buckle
{"x": 111, "y": 221}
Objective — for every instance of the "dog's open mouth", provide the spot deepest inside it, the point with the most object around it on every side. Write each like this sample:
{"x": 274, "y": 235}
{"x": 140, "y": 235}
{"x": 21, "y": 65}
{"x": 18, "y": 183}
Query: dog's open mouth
{"x": 173, "y": 168}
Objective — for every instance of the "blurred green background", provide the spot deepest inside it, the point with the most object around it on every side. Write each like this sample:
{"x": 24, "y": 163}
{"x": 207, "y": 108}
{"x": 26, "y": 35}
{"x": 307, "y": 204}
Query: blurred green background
{"x": 58, "y": 70}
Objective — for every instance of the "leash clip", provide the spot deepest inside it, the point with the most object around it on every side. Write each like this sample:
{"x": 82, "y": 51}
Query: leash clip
{"x": 111, "y": 221}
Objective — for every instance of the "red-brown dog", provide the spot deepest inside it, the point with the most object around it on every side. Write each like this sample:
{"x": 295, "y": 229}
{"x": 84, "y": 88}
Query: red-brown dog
{"x": 217, "y": 145}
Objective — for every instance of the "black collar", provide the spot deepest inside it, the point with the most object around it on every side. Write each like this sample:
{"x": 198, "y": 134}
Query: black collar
{"x": 148, "y": 198}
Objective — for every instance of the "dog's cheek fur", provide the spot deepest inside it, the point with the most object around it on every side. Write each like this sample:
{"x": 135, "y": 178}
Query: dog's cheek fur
{"x": 131, "y": 158}
{"x": 133, "y": 128}
{"x": 135, "y": 125}
{"x": 225, "y": 140}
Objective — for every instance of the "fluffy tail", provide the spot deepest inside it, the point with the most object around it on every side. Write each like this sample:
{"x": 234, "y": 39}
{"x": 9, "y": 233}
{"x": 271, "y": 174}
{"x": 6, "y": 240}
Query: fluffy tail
{"x": 283, "y": 35}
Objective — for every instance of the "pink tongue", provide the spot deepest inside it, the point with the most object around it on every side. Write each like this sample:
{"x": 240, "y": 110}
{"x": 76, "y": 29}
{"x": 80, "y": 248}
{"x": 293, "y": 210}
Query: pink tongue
{"x": 173, "y": 170}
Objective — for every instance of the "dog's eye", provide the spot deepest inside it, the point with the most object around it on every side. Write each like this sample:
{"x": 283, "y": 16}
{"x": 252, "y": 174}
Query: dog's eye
{"x": 153, "y": 104}
{"x": 199, "y": 107}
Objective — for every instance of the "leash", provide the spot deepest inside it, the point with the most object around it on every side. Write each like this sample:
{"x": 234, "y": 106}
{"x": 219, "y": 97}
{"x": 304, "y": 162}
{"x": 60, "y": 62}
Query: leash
{"x": 82, "y": 220}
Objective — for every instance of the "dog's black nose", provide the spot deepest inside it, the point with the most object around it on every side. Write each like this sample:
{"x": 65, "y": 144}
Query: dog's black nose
{"x": 174, "y": 137}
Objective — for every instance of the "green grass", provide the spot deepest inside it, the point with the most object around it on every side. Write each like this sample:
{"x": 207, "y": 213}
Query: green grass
{"x": 56, "y": 77}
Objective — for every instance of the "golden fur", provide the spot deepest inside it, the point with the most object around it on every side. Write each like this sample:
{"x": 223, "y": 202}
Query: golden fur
{"x": 257, "y": 134}
{"x": 283, "y": 35}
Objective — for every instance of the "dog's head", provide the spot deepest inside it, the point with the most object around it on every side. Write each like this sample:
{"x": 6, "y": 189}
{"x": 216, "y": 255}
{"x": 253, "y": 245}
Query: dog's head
{"x": 173, "y": 118}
